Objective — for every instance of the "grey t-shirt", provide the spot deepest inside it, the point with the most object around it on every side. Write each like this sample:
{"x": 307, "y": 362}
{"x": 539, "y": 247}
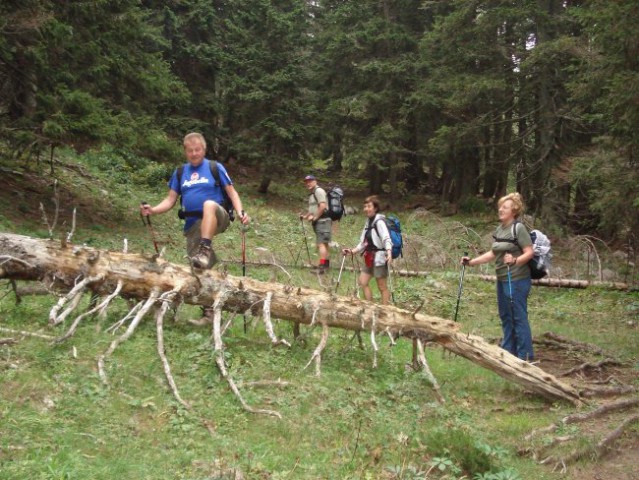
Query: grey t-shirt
{"x": 517, "y": 272}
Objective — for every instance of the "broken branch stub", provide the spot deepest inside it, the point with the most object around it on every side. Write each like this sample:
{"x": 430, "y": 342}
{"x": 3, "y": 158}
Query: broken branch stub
{"x": 36, "y": 259}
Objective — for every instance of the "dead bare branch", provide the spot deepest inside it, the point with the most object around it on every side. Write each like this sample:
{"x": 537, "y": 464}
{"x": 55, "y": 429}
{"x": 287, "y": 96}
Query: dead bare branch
{"x": 317, "y": 354}
{"x": 590, "y": 366}
{"x": 74, "y": 296}
{"x": 219, "y": 357}
{"x": 583, "y": 417}
{"x": 606, "y": 391}
{"x": 266, "y": 316}
{"x": 167, "y": 299}
{"x": 602, "y": 410}
{"x": 100, "y": 308}
{"x": 72, "y": 231}
{"x": 114, "y": 328}
{"x": 264, "y": 383}
{"x": 574, "y": 344}
{"x": 125, "y": 336}
{"x": 598, "y": 451}
{"x": 373, "y": 341}
{"x": 604, "y": 444}
{"x": 26, "y": 333}
{"x": 427, "y": 371}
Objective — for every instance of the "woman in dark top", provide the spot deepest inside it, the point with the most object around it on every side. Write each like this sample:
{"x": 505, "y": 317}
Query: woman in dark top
{"x": 511, "y": 258}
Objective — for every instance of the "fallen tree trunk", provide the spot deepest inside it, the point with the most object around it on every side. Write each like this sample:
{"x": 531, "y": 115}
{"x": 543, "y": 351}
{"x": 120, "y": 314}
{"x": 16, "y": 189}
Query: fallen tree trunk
{"x": 542, "y": 282}
{"x": 138, "y": 276}
{"x": 571, "y": 283}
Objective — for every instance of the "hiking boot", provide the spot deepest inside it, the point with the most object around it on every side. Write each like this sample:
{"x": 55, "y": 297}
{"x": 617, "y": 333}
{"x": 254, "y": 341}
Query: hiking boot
{"x": 204, "y": 258}
{"x": 320, "y": 269}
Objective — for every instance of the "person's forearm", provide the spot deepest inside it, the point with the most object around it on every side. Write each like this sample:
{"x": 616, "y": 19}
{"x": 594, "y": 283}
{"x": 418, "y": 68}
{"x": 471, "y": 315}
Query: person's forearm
{"x": 164, "y": 206}
{"x": 525, "y": 257}
{"x": 484, "y": 258}
{"x": 321, "y": 208}
{"x": 236, "y": 201}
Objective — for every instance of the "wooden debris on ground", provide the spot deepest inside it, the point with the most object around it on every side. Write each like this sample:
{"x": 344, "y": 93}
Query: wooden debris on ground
{"x": 152, "y": 280}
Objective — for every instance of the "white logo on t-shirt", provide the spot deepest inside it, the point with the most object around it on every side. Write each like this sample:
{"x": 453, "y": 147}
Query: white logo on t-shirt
{"x": 195, "y": 180}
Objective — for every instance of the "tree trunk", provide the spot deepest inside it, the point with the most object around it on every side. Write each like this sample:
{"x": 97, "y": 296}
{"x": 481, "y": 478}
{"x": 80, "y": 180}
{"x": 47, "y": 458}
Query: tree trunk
{"x": 392, "y": 177}
{"x": 265, "y": 182}
{"x": 414, "y": 172}
{"x": 139, "y": 276}
{"x": 374, "y": 179}
{"x": 337, "y": 155}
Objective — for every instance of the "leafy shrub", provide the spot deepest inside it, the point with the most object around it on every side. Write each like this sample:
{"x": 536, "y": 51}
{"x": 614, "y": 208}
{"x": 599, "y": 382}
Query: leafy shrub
{"x": 155, "y": 145}
{"x": 109, "y": 161}
{"x": 473, "y": 205}
{"x": 462, "y": 448}
{"x": 155, "y": 174}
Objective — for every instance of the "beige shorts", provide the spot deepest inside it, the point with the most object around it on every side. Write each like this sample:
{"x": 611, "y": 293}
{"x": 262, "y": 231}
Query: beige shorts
{"x": 193, "y": 234}
{"x": 376, "y": 271}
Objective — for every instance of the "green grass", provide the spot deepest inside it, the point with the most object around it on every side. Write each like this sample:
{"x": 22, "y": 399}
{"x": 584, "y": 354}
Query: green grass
{"x": 57, "y": 421}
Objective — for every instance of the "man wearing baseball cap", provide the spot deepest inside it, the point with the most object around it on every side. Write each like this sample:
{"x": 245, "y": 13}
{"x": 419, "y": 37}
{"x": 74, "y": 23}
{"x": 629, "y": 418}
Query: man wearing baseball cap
{"x": 317, "y": 204}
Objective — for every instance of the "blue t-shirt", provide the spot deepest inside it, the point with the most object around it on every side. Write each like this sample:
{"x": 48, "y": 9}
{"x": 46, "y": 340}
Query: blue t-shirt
{"x": 198, "y": 185}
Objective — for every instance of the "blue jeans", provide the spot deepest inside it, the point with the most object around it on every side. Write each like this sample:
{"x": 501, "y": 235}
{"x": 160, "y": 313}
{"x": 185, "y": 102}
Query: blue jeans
{"x": 514, "y": 318}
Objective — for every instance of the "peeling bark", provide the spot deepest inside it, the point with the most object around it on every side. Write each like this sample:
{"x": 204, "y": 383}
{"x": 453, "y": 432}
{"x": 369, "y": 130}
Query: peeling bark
{"x": 26, "y": 258}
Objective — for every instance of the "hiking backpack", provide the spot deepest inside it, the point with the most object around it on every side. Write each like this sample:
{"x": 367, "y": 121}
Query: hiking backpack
{"x": 395, "y": 232}
{"x": 334, "y": 203}
{"x": 540, "y": 262}
{"x": 226, "y": 203}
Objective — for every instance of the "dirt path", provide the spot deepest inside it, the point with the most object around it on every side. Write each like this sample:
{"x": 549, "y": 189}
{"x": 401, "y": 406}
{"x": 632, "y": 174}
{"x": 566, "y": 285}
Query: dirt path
{"x": 591, "y": 371}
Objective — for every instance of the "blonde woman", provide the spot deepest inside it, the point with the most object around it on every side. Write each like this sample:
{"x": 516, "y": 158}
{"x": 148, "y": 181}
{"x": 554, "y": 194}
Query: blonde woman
{"x": 511, "y": 257}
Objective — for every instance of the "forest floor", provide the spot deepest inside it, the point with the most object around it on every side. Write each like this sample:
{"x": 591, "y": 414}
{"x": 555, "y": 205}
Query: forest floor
{"x": 596, "y": 351}
{"x": 619, "y": 462}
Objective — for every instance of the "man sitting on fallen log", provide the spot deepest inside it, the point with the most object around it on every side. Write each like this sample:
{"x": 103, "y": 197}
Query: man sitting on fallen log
{"x": 205, "y": 187}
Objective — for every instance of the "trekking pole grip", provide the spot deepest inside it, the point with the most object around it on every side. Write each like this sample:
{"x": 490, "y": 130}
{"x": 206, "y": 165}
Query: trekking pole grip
{"x": 148, "y": 217}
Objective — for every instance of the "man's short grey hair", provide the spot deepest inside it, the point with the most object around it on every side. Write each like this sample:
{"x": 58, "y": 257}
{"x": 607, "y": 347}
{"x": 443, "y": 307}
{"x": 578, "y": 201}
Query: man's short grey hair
{"x": 190, "y": 137}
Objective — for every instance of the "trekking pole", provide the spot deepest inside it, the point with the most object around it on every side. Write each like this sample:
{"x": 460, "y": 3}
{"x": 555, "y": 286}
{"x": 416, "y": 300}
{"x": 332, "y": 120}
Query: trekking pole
{"x": 510, "y": 292}
{"x": 356, "y": 274}
{"x": 339, "y": 277}
{"x": 390, "y": 284}
{"x": 243, "y": 236}
{"x": 461, "y": 285}
{"x": 306, "y": 242}
{"x": 150, "y": 226}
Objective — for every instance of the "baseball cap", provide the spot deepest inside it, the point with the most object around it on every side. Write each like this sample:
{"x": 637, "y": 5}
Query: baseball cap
{"x": 309, "y": 177}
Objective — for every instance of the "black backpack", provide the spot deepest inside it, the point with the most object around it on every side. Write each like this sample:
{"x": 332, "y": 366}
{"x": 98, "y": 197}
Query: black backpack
{"x": 226, "y": 203}
{"x": 334, "y": 203}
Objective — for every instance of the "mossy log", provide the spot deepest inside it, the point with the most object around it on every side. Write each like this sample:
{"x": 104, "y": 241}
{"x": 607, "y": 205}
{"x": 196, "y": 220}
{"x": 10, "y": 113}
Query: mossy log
{"x": 60, "y": 266}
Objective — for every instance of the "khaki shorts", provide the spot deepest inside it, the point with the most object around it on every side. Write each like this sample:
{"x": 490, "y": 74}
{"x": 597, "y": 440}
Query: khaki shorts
{"x": 193, "y": 234}
{"x": 323, "y": 230}
{"x": 377, "y": 271}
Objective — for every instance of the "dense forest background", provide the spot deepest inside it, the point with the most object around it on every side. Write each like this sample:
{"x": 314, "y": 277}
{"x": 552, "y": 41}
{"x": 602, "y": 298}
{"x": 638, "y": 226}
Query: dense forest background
{"x": 459, "y": 99}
